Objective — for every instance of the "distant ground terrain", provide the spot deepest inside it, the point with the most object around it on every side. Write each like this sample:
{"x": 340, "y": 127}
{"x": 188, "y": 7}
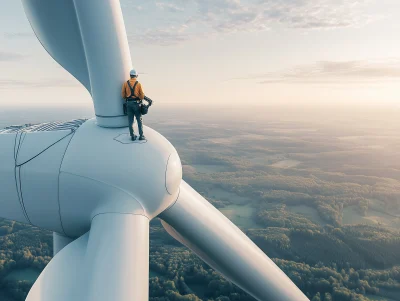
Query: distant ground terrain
{"x": 318, "y": 191}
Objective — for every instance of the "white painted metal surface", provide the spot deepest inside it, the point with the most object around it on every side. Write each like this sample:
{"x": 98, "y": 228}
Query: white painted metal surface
{"x": 101, "y": 174}
{"x": 33, "y": 144}
{"x": 204, "y": 229}
{"x": 63, "y": 273}
{"x": 56, "y": 26}
{"x": 39, "y": 179}
{"x": 117, "y": 264}
{"x": 107, "y": 56}
{"x": 88, "y": 39}
{"x": 111, "y": 262}
{"x": 60, "y": 242}
{"x": 11, "y": 206}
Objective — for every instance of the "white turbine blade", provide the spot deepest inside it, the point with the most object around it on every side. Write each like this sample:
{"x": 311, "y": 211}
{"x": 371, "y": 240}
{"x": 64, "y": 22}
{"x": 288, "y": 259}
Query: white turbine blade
{"x": 88, "y": 38}
{"x": 117, "y": 259}
{"x": 60, "y": 242}
{"x": 56, "y": 26}
{"x": 107, "y": 54}
{"x": 196, "y": 223}
{"x": 111, "y": 262}
{"x": 62, "y": 278}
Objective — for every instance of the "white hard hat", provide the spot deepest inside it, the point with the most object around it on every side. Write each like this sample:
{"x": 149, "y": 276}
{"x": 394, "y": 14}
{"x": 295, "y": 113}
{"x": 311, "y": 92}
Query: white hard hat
{"x": 133, "y": 72}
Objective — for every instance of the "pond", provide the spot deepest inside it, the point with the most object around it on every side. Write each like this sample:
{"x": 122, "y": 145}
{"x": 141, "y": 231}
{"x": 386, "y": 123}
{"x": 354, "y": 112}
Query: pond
{"x": 221, "y": 194}
{"x": 27, "y": 274}
{"x": 241, "y": 216}
{"x": 309, "y": 212}
{"x": 351, "y": 215}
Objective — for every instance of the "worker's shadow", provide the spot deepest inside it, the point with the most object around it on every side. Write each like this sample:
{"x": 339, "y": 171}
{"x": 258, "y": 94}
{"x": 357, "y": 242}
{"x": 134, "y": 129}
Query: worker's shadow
{"x": 126, "y": 139}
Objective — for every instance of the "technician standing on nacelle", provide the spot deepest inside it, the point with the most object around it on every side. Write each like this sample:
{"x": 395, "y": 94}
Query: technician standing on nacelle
{"x": 133, "y": 93}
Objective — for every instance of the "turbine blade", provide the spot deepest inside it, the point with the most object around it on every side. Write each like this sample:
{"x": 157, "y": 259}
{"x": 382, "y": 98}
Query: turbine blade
{"x": 111, "y": 262}
{"x": 201, "y": 227}
{"x": 60, "y": 242}
{"x": 88, "y": 38}
{"x": 62, "y": 277}
{"x": 56, "y": 26}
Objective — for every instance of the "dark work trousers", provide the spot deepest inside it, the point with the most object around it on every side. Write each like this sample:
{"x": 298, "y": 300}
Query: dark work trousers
{"x": 133, "y": 109}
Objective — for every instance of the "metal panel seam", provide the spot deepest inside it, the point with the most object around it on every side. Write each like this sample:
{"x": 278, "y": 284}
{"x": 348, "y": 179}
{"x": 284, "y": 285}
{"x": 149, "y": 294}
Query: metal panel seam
{"x": 117, "y": 213}
{"x": 108, "y": 184}
{"x": 170, "y": 206}
{"x": 18, "y": 165}
{"x": 18, "y": 178}
{"x": 165, "y": 176}
{"x": 22, "y": 197}
{"x": 58, "y": 183}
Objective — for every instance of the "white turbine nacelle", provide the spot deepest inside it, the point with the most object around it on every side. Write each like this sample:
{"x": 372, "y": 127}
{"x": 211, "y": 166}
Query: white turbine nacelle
{"x": 97, "y": 190}
{"x": 61, "y": 179}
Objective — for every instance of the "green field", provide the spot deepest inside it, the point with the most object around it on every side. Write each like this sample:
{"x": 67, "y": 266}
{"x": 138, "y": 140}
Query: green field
{"x": 308, "y": 212}
{"x": 351, "y": 216}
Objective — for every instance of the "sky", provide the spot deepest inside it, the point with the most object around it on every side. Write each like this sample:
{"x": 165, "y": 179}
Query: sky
{"x": 230, "y": 52}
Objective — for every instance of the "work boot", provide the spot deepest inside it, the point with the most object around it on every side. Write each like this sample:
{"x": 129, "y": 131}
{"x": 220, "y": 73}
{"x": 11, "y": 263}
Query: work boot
{"x": 142, "y": 138}
{"x": 133, "y": 138}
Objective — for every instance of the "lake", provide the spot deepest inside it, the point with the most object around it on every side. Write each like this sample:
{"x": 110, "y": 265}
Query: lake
{"x": 27, "y": 274}
{"x": 241, "y": 216}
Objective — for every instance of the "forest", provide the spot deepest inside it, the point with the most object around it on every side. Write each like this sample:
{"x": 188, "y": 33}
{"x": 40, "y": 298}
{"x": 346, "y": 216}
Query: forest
{"x": 177, "y": 274}
{"x": 320, "y": 196}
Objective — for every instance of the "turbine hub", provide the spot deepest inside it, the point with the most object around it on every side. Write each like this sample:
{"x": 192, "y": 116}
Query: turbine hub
{"x": 103, "y": 171}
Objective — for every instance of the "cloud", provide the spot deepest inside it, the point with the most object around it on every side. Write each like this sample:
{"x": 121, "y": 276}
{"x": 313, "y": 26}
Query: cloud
{"x": 361, "y": 71}
{"x": 169, "y": 7}
{"x": 316, "y": 14}
{"x": 207, "y": 17}
{"x": 10, "y": 56}
{"x": 262, "y": 14}
{"x": 44, "y": 83}
{"x": 163, "y": 37}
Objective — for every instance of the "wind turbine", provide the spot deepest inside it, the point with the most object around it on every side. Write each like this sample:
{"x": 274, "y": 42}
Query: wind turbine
{"x": 85, "y": 181}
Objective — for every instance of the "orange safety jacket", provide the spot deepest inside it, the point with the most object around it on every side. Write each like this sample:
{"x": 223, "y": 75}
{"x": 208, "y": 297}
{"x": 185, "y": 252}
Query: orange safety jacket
{"x": 126, "y": 91}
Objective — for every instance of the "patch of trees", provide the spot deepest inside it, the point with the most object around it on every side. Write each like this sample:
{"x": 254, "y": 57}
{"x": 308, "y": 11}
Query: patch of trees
{"x": 182, "y": 276}
{"x": 328, "y": 194}
{"x": 21, "y": 246}
{"x": 278, "y": 216}
{"x": 179, "y": 275}
{"x": 291, "y": 236}
{"x": 379, "y": 247}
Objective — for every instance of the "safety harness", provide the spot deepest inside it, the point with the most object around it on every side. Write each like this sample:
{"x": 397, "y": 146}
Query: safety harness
{"x": 133, "y": 96}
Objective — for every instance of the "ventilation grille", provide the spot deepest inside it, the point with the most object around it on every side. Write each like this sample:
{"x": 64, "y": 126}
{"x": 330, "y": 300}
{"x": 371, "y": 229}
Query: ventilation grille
{"x": 44, "y": 127}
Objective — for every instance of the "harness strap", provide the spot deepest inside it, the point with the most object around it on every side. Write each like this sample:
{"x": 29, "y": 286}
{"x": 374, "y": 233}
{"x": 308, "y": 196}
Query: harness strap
{"x": 133, "y": 96}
